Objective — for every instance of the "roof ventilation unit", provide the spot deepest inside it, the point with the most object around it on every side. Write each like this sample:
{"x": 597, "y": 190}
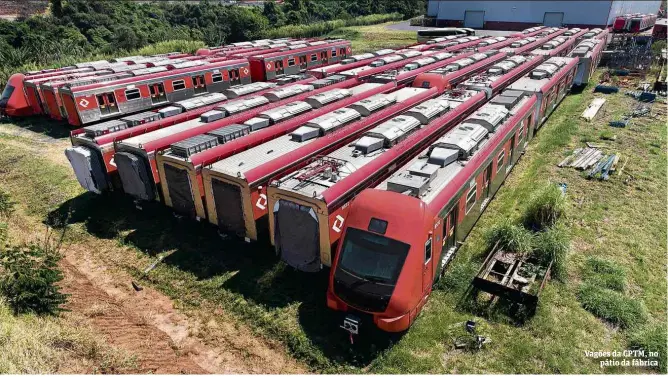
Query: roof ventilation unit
{"x": 288, "y": 91}
{"x": 325, "y": 124}
{"x": 489, "y": 116}
{"x": 428, "y": 110}
{"x": 169, "y": 111}
{"x": 200, "y": 101}
{"x": 386, "y": 134}
{"x": 508, "y": 98}
{"x": 383, "y": 52}
{"x": 234, "y": 107}
{"x": 545, "y": 70}
{"x": 321, "y": 99}
{"x": 278, "y": 114}
{"x": 141, "y": 118}
{"x": 230, "y": 132}
{"x": 373, "y": 103}
{"x": 242, "y": 90}
{"x": 188, "y": 147}
{"x": 408, "y": 184}
{"x": 465, "y": 138}
{"x": 104, "y": 128}
{"x": 211, "y": 116}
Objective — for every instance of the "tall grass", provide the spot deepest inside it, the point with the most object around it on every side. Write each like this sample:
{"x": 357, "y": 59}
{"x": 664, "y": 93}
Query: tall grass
{"x": 321, "y": 28}
{"x": 164, "y": 47}
{"x": 604, "y": 273}
{"x": 32, "y": 344}
{"x": 510, "y": 237}
{"x": 545, "y": 207}
{"x": 612, "y": 306}
{"x": 552, "y": 245}
{"x": 651, "y": 338}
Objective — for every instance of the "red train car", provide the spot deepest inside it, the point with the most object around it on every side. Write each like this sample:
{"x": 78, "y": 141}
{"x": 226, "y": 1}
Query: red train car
{"x": 399, "y": 236}
{"x": 266, "y": 67}
{"x": 589, "y": 53}
{"x": 634, "y": 23}
{"x": 91, "y": 103}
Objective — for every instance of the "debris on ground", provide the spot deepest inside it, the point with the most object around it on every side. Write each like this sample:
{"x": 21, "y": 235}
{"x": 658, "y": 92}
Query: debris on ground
{"x": 642, "y": 96}
{"x": 606, "y": 89}
{"x": 150, "y": 268}
{"x": 595, "y": 163}
{"x": 593, "y": 108}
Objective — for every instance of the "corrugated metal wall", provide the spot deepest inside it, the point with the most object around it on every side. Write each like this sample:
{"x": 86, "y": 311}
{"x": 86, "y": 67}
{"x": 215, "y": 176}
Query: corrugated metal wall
{"x": 575, "y": 12}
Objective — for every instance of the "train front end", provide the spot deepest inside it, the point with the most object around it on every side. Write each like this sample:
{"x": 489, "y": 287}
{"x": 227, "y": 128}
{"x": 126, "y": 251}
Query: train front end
{"x": 13, "y": 101}
{"x": 377, "y": 275}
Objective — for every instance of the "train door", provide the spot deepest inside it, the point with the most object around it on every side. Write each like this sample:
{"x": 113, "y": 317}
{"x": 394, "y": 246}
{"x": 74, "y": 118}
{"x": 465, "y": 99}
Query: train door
{"x": 450, "y": 234}
{"x": 511, "y": 160}
{"x": 199, "y": 85}
{"x": 107, "y": 103}
{"x": 235, "y": 79}
{"x": 323, "y": 57}
{"x": 486, "y": 179}
{"x": 302, "y": 62}
{"x": 158, "y": 93}
{"x": 279, "y": 67}
{"x": 428, "y": 267}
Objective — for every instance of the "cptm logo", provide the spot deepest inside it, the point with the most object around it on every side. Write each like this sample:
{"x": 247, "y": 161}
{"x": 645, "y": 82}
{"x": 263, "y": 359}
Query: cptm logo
{"x": 84, "y": 103}
{"x": 338, "y": 223}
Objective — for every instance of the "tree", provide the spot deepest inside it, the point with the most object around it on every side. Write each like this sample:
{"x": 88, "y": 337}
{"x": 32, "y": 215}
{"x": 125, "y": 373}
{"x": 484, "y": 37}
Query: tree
{"x": 273, "y": 13}
{"x": 57, "y": 8}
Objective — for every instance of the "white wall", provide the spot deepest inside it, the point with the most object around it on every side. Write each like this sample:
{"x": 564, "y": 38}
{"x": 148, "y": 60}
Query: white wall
{"x": 593, "y": 12}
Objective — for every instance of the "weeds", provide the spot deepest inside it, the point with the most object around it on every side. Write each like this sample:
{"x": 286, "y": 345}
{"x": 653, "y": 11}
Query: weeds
{"x": 511, "y": 237}
{"x": 612, "y": 306}
{"x": 545, "y": 207}
{"x": 651, "y": 338}
{"x": 552, "y": 245}
{"x": 604, "y": 273}
{"x": 321, "y": 28}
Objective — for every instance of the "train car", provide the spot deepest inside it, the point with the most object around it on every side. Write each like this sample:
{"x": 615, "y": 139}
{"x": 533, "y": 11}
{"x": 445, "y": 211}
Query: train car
{"x": 353, "y": 61}
{"x": 307, "y": 207}
{"x": 642, "y": 23}
{"x": 236, "y": 187}
{"x": 621, "y": 23}
{"x": 589, "y": 53}
{"x": 527, "y": 44}
{"x": 659, "y": 30}
{"x": 91, "y": 103}
{"x": 597, "y": 33}
{"x": 140, "y": 151}
{"x": 559, "y": 46}
{"x": 94, "y": 145}
{"x": 400, "y": 235}
{"x": 502, "y": 74}
{"x": 266, "y": 67}
{"x": 436, "y": 198}
{"x": 549, "y": 82}
{"x": 401, "y": 79}
{"x": 269, "y": 132}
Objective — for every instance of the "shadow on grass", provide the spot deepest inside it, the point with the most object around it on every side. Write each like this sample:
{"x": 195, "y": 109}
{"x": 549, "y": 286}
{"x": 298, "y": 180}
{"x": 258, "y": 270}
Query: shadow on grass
{"x": 259, "y": 276}
{"x": 41, "y": 125}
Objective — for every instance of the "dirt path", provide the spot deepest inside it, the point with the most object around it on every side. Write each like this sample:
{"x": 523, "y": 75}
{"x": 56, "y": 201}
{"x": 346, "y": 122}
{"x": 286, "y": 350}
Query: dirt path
{"x": 146, "y": 324}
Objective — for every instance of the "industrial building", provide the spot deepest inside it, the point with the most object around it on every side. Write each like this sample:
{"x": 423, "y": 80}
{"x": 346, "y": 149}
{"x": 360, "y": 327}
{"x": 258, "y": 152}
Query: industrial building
{"x": 517, "y": 15}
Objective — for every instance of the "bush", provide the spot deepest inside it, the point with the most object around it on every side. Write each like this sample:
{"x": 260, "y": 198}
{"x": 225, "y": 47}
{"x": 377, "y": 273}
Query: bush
{"x": 545, "y": 207}
{"x": 612, "y": 306}
{"x": 552, "y": 245}
{"x": 651, "y": 338}
{"x": 164, "y": 47}
{"x": 28, "y": 277}
{"x": 6, "y": 204}
{"x": 510, "y": 237}
{"x": 604, "y": 273}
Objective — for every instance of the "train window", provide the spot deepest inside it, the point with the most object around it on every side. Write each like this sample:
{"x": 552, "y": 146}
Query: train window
{"x": 314, "y": 57}
{"x": 499, "y": 160}
{"x": 333, "y": 52}
{"x": 377, "y": 225}
{"x": 291, "y": 62}
{"x": 425, "y": 84}
{"x": 470, "y": 198}
{"x": 427, "y": 250}
{"x": 217, "y": 77}
{"x": 132, "y": 94}
{"x": 342, "y": 51}
{"x": 179, "y": 85}
{"x": 520, "y": 132}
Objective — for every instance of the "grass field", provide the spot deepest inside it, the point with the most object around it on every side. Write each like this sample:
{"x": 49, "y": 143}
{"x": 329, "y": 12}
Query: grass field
{"x": 621, "y": 221}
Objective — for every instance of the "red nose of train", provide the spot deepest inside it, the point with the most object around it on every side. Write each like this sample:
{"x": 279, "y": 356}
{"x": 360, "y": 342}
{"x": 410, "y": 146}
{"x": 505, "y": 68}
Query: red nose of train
{"x": 13, "y": 101}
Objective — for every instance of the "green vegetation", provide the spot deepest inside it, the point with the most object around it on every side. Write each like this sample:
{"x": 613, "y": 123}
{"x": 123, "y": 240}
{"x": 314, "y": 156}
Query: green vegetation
{"x": 605, "y": 274}
{"x": 545, "y": 207}
{"x": 78, "y": 30}
{"x": 612, "y": 306}
{"x": 511, "y": 237}
{"x": 552, "y": 245}
{"x": 324, "y": 27}
{"x": 651, "y": 338}
{"x": 34, "y": 344}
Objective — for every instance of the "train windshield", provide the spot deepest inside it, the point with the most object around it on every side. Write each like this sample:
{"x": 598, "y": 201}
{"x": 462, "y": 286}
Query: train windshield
{"x": 7, "y": 93}
{"x": 372, "y": 257}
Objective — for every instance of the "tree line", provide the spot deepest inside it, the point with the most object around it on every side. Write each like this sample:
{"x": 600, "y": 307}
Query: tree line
{"x": 73, "y": 30}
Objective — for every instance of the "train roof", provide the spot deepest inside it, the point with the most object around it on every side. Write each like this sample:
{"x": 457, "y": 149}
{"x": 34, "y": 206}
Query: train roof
{"x": 303, "y": 49}
{"x": 350, "y": 158}
{"x": 541, "y": 75}
{"x": 426, "y": 175}
{"x": 167, "y": 74}
{"x": 585, "y": 48}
